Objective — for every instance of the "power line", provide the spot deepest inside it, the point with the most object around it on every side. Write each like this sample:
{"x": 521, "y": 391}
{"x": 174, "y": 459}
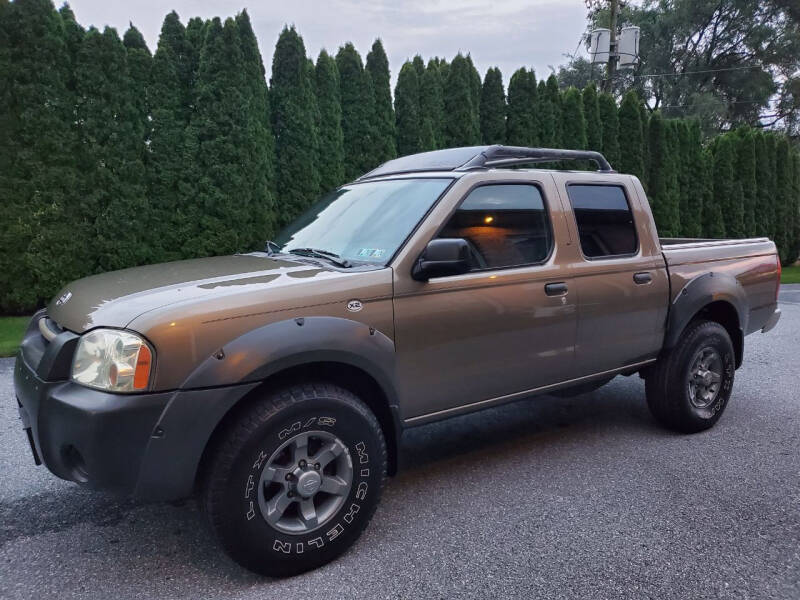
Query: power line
{"x": 694, "y": 72}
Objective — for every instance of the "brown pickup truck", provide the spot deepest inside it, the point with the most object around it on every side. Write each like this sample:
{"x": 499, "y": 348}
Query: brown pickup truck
{"x": 278, "y": 383}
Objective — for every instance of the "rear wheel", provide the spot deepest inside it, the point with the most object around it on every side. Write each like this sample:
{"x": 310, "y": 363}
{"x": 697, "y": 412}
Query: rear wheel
{"x": 295, "y": 479}
{"x": 689, "y": 387}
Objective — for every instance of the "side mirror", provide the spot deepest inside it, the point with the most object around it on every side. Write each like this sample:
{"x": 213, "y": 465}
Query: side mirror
{"x": 442, "y": 257}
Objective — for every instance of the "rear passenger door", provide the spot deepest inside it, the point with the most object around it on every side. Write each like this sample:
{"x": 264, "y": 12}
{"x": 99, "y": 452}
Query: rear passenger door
{"x": 622, "y": 286}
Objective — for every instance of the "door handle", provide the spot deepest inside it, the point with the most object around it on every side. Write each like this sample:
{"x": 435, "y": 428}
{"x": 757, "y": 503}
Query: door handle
{"x": 555, "y": 289}
{"x": 642, "y": 278}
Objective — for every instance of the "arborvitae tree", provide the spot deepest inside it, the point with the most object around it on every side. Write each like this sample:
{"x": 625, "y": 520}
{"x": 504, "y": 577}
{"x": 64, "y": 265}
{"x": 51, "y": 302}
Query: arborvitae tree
{"x": 493, "y": 108}
{"x": 692, "y": 200}
{"x": 294, "y": 126}
{"x": 169, "y": 177}
{"x": 770, "y": 185}
{"x": 713, "y": 223}
{"x": 784, "y": 221}
{"x": 746, "y": 174}
{"x": 794, "y": 248}
{"x": 383, "y": 123}
{"x": 407, "y": 110}
{"x": 644, "y": 117}
{"x": 195, "y": 37}
{"x": 38, "y": 178}
{"x": 357, "y": 108}
{"x": 685, "y": 182}
{"x": 431, "y": 107}
{"x": 554, "y": 97}
{"x": 591, "y": 112}
{"x": 140, "y": 65}
{"x": 724, "y": 157}
{"x": 258, "y": 163}
{"x": 545, "y": 117}
{"x": 419, "y": 66}
{"x": 521, "y": 125}
{"x": 573, "y": 123}
{"x": 73, "y": 38}
{"x": 111, "y": 132}
{"x": 609, "y": 120}
{"x": 630, "y": 137}
{"x": 763, "y": 222}
{"x": 665, "y": 210}
{"x": 331, "y": 138}
{"x": 460, "y": 119}
{"x": 475, "y": 90}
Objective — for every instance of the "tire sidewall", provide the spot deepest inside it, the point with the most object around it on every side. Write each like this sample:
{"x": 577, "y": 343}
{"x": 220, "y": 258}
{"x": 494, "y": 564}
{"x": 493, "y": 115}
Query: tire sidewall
{"x": 714, "y": 336}
{"x": 257, "y": 543}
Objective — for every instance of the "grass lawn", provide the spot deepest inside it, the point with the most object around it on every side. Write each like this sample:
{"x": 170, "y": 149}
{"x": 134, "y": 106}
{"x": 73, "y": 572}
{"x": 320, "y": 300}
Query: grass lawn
{"x": 791, "y": 274}
{"x": 11, "y": 330}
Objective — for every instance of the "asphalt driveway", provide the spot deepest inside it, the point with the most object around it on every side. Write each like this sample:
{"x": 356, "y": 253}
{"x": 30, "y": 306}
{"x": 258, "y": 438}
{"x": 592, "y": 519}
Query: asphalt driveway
{"x": 545, "y": 498}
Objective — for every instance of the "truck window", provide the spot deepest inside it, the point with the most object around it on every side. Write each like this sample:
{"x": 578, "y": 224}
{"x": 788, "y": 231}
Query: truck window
{"x": 505, "y": 225}
{"x": 604, "y": 219}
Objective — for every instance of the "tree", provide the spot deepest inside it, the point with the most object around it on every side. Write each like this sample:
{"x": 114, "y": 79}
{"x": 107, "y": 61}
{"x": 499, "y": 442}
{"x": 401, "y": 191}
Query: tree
{"x": 140, "y": 65}
{"x": 431, "y": 107}
{"x": 475, "y": 90}
{"x": 662, "y": 199}
{"x": 746, "y": 175}
{"x": 545, "y": 117}
{"x": 730, "y": 57}
{"x": 169, "y": 181}
{"x": 609, "y": 121}
{"x": 784, "y": 220}
{"x": 406, "y": 99}
{"x": 573, "y": 123}
{"x": 691, "y": 202}
{"x": 554, "y": 98}
{"x": 521, "y": 125}
{"x": 460, "y": 119}
{"x": 630, "y": 137}
{"x": 331, "y": 138}
{"x": 358, "y": 105}
{"x": 493, "y": 108}
{"x": 591, "y": 112}
{"x": 383, "y": 122}
{"x": 38, "y": 176}
{"x": 724, "y": 190}
{"x": 794, "y": 248}
{"x": 294, "y": 126}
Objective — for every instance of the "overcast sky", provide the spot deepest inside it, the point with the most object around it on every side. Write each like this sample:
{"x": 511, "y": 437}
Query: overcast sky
{"x": 503, "y": 33}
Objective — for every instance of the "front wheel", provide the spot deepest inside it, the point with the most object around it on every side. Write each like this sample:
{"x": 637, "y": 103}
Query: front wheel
{"x": 296, "y": 479}
{"x": 690, "y": 385}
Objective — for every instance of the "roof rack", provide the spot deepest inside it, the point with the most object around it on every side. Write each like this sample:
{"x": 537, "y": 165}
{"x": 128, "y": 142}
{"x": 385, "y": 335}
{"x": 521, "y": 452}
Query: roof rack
{"x": 502, "y": 156}
{"x": 482, "y": 157}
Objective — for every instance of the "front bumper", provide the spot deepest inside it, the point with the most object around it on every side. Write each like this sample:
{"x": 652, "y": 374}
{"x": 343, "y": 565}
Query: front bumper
{"x": 146, "y": 445}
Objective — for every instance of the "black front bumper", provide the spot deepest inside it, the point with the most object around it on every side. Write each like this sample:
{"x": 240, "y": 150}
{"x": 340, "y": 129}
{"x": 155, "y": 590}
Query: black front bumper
{"x": 146, "y": 445}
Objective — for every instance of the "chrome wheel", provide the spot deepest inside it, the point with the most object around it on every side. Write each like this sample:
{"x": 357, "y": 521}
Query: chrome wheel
{"x": 705, "y": 377}
{"x": 305, "y": 482}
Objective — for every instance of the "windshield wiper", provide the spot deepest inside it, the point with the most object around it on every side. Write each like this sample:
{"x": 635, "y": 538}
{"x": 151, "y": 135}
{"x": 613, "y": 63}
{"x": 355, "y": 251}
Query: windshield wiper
{"x": 271, "y": 247}
{"x": 326, "y": 254}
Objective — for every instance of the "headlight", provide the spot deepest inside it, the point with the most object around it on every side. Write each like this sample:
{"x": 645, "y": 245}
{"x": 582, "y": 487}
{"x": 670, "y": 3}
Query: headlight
{"x": 112, "y": 360}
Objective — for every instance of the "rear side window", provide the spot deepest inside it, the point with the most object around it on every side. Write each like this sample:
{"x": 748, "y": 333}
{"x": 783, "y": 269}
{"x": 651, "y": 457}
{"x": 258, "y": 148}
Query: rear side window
{"x": 505, "y": 225}
{"x": 604, "y": 218}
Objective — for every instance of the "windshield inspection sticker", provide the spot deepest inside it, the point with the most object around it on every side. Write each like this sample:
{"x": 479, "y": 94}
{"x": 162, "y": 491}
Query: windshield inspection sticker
{"x": 371, "y": 252}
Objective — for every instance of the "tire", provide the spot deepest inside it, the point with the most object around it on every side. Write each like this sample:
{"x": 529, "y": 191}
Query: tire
{"x": 260, "y": 464}
{"x": 681, "y": 392}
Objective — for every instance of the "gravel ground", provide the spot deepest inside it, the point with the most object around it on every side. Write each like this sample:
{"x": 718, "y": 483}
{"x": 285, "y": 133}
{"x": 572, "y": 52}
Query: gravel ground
{"x": 545, "y": 498}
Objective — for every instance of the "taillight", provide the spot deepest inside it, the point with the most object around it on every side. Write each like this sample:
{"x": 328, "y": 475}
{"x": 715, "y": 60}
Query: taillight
{"x": 778, "y": 283}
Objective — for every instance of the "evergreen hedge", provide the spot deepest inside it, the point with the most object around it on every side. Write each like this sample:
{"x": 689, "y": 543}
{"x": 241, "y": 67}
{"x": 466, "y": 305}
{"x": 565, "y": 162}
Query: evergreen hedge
{"x": 111, "y": 157}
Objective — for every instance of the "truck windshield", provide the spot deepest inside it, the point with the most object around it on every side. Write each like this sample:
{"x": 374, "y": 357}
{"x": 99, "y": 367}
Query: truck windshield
{"x": 363, "y": 222}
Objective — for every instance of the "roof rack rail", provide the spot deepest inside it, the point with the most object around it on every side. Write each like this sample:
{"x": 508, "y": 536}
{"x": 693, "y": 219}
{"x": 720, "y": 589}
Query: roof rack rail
{"x": 501, "y": 156}
{"x": 481, "y": 157}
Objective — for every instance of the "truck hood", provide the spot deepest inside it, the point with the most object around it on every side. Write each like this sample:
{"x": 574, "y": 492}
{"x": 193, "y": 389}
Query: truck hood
{"x": 116, "y": 298}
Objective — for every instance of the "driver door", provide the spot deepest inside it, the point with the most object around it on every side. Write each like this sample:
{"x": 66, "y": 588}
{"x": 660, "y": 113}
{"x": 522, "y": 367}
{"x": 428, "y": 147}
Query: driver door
{"x": 505, "y": 327}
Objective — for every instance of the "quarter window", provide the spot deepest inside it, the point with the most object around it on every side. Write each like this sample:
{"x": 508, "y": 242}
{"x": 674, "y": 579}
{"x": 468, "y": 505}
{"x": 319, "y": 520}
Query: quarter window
{"x": 505, "y": 225}
{"x": 604, "y": 219}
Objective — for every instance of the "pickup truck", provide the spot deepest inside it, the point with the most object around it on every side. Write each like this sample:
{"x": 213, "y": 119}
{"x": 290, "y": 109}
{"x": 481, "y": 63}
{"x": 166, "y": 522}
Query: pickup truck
{"x": 277, "y": 383}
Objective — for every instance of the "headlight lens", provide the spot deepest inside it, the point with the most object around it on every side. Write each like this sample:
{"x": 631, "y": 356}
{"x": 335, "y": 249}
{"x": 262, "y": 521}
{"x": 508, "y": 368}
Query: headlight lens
{"x": 112, "y": 360}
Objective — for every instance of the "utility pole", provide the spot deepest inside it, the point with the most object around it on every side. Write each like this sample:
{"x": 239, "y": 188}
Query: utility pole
{"x": 612, "y": 54}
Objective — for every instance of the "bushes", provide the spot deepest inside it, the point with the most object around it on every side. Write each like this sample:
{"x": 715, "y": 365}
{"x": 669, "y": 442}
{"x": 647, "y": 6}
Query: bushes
{"x": 112, "y": 157}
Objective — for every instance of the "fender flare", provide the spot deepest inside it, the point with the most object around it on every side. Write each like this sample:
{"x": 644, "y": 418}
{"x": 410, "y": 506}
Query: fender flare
{"x": 698, "y": 293}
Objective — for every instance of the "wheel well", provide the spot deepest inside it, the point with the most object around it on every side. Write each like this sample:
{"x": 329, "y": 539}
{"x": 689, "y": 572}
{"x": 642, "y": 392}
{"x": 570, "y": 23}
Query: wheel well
{"x": 725, "y": 314}
{"x": 351, "y": 378}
